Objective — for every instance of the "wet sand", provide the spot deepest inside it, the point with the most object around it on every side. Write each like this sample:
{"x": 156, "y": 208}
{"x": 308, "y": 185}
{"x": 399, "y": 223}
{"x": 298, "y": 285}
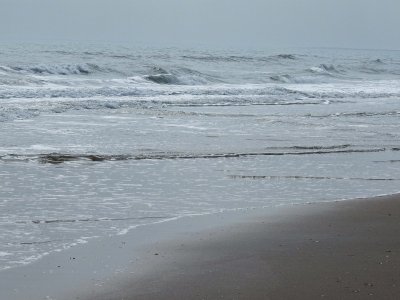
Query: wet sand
{"x": 342, "y": 250}
{"x": 337, "y": 250}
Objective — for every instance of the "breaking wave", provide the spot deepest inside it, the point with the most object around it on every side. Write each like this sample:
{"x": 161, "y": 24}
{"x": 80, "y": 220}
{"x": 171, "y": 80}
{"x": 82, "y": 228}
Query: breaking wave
{"x": 189, "y": 79}
{"x": 27, "y": 102}
{"x": 180, "y": 76}
{"x": 282, "y": 78}
{"x": 325, "y": 69}
{"x": 163, "y": 79}
{"x": 58, "y": 69}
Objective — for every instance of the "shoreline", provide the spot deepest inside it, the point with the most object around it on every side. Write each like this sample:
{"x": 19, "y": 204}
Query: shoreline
{"x": 344, "y": 249}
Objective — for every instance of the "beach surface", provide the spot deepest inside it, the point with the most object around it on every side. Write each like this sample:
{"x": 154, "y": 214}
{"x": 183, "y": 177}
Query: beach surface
{"x": 333, "y": 250}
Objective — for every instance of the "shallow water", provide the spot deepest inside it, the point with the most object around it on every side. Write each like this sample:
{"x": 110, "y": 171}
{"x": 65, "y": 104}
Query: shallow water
{"x": 95, "y": 141}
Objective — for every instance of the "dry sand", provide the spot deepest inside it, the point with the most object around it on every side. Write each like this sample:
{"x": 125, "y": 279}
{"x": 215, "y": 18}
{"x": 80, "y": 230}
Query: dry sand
{"x": 338, "y": 250}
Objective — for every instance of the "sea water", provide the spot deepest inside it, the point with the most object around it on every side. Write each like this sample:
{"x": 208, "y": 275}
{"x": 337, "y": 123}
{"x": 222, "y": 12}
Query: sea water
{"x": 97, "y": 140}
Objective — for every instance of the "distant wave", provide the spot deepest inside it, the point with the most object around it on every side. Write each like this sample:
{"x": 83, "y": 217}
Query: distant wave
{"x": 59, "y": 69}
{"x": 340, "y": 94}
{"x": 163, "y": 79}
{"x": 322, "y": 73}
{"x": 286, "y": 56}
{"x": 216, "y": 58}
{"x": 325, "y": 69}
{"x": 380, "y": 68}
{"x": 240, "y": 58}
{"x": 280, "y": 68}
{"x": 325, "y": 72}
{"x": 378, "y": 61}
{"x": 179, "y": 76}
{"x": 206, "y": 57}
{"x": 285, "y": 78}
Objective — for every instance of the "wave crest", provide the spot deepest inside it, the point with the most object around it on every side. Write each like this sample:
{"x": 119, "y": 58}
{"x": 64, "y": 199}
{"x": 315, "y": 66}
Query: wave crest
{"x": 58, "y": 69}
{"x": 179, "y": 76}
{"x": 285, "y": 78}
{"x": 325, "y": 70}
{"x": 163, "y": 79}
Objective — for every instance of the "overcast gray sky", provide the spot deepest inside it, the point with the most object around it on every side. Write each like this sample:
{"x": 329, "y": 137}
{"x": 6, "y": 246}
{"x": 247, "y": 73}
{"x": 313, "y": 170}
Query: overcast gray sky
{"x": 219, "y": 23}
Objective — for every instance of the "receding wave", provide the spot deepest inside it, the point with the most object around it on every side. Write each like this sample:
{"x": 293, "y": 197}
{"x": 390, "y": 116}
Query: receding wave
{"x": 59, "y": 101}
{"x": 52, "y": 221}
{"x": 359, "y": 114}
{"x": 392, "y": 161}
{"x": 309, "y": 177}
{"x": 345, "y": 146}
{"x": 132, "y": 87}
{"x": 59, "y": 158}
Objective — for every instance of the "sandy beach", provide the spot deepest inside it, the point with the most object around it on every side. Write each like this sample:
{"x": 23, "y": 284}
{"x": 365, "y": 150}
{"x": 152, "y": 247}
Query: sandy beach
{"x": 335, "y": 250}
{"x": 199, "y": 150}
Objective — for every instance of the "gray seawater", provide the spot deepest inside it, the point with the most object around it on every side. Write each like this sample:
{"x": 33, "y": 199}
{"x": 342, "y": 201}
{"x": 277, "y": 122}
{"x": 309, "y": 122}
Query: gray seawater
{"x": 97, "y": 140}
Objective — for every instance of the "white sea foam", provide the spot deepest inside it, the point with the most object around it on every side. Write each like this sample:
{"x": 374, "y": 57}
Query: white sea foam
{"x": 43, "y": 148}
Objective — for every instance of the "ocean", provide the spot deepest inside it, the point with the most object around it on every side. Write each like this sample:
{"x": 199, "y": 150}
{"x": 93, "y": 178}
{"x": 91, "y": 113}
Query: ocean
{"x": 97, "y": 140}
